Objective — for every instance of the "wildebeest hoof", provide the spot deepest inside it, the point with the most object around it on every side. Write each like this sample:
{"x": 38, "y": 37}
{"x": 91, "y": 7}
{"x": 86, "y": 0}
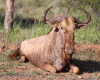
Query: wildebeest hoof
{"x": 75, "y": 70}
{"x": 22, "y": 60}
{"x": 71, "y": 71}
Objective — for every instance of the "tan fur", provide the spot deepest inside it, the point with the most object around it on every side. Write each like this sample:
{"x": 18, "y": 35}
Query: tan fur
{"x": 22, "y": 59}
{"x": 48, "y": 67}
{"x": 52, "y": 52}
{"x": 74, "y": 70}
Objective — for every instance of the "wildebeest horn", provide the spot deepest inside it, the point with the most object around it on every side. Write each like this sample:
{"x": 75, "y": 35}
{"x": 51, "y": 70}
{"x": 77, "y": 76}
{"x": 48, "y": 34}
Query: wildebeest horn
{"x": 83, "y": 22}
{"x": 44, "y": 15}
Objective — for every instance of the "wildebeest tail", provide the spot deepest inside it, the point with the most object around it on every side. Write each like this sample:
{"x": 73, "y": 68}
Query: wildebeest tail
{"x": 98, "y": 51}
{"x": 14, "y": 54}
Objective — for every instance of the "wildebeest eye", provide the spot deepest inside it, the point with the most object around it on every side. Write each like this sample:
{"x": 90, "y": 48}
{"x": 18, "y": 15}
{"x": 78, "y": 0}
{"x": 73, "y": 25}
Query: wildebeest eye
{"x": 56, "y": 30}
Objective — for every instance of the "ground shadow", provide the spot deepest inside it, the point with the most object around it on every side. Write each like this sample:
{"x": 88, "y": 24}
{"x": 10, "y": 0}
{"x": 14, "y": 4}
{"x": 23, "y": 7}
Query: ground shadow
{"x": 87, "y": 66}
{"x": 84, "y": 66}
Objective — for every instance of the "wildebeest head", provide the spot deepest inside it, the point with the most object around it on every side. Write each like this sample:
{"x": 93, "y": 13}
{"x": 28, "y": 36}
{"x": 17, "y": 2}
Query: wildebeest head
{"x": 67, "y": 26}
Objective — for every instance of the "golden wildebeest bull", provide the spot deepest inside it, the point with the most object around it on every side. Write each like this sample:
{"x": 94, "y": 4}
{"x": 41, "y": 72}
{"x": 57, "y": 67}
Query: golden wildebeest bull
{"x": 53, "y": 52}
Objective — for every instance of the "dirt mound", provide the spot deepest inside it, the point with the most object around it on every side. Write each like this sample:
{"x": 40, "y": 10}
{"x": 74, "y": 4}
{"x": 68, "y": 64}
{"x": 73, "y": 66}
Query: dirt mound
{"x": 83, "y": 47}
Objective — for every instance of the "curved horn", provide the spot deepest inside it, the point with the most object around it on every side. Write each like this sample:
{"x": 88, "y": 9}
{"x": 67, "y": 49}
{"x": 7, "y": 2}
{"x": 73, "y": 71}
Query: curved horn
{"x": 44, "y": 15}
{"x": 83, "y": 22}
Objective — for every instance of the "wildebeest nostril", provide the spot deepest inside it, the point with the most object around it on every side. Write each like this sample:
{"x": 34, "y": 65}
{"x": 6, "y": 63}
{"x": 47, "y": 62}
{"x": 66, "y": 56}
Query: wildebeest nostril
{"x": 69, "y": 51}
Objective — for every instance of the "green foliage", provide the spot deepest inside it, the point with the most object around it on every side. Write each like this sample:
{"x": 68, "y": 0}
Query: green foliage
{"x": 94, "y": 4}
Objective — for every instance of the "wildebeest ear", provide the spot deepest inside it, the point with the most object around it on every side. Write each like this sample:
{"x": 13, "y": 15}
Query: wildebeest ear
{"x": 52, "y": 24}
{"x": 81, "y": 26}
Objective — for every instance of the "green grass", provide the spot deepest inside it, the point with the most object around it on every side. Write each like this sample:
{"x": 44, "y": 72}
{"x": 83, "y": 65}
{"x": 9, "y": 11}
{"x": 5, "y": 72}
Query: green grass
{"x": 18, "y": 34}
{"x": 22, "y": 31}
{"x": 88, "y": 35}
{"x": 50, "y": 78}
{"x": 26, "y": 9}
{"x": 10, "y": 73}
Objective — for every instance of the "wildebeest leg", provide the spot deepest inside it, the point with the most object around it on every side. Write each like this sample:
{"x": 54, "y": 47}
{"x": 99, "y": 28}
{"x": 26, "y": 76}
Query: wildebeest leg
{"x": 70, "y": 65}
{"x": 73, "y": 68}
{"x": 23, "y": 59}
{"x": 48, "y": 67}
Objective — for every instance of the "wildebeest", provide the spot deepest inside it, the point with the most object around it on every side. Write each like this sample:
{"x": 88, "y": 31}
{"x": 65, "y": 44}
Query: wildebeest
{"x": 53, "y": 52}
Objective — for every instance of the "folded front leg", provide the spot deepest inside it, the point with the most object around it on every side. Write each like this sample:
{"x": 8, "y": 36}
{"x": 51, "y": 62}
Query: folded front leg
{"x": 48, "y": 67}
{"x": 70, "y": 65}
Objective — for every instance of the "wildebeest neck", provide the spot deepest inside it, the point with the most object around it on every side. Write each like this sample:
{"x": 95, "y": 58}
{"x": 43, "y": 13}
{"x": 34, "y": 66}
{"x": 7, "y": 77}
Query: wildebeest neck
{"x": 54, "y": 44}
